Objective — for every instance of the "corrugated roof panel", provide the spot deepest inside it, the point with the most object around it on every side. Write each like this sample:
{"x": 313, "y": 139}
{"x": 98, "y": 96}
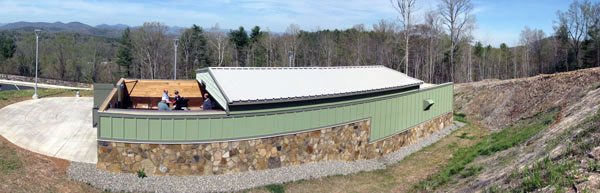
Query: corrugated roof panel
{"x": 258, "y": 85}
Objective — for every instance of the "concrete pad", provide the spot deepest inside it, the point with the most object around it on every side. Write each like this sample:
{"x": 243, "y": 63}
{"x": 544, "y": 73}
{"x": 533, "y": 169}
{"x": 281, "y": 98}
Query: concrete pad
{"x": 59, "y": 127}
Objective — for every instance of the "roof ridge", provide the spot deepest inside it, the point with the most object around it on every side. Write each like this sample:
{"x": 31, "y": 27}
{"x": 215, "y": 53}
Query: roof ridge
{"x": 295, "y": 68}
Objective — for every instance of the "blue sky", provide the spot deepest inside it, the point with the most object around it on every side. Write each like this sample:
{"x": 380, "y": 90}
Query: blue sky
{"x": 497, "y": 20}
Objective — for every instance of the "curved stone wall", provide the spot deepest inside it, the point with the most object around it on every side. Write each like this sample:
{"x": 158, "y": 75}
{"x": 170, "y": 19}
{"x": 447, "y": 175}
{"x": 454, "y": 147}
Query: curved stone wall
{"x": 348, "y": 142}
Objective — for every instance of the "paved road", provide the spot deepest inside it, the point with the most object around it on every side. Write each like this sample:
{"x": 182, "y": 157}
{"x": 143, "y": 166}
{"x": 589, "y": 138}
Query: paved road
{"x": 59, "y": 127}
{"x": 5, "y": 87}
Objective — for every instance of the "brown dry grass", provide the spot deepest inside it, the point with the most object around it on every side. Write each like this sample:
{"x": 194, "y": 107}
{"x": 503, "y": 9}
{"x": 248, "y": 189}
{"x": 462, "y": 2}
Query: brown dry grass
{"x": 34, "y": 172}
{"x": 400, "y": 177}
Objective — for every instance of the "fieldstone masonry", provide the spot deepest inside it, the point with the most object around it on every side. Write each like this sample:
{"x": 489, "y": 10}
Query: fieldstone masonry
{"x": 346, "y": 143}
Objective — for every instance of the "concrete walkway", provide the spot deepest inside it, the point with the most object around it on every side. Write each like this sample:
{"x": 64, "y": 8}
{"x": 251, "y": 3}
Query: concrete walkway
{"x": 58, "y": 127}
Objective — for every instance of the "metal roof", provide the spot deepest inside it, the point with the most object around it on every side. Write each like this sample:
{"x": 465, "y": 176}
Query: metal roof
{"x": 252, "y": 85}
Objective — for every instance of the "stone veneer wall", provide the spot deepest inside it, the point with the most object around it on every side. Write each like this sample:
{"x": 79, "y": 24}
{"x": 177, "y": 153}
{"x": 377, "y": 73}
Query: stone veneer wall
{"x": 346, "y": 143}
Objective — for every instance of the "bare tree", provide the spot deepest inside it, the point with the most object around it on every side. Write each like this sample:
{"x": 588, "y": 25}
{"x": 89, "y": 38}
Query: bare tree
{"x": 152, "y": 47}
{"x": 218, "y": 40}
{"x": 537, "y": 47}
{"x": 574, "y": 22}
{"x": 292, "y": 42}
{"x": 433, "y": 23}
{"x": 456, "y": 15}
{"x": 405, "y": 8}
{"x": 359, "y": 31}
{"x": 526, "y": 38}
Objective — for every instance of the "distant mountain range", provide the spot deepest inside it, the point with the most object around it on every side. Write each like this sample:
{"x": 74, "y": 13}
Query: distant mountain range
{"x": 114, "y": 27}
{"x": 78, "y": 27}
{"x": 74, "y": 27}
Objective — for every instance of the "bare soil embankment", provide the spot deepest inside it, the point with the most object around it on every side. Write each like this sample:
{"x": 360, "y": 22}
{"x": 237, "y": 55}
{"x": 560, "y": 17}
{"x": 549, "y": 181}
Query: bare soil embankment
{"x": 569, "y": 142}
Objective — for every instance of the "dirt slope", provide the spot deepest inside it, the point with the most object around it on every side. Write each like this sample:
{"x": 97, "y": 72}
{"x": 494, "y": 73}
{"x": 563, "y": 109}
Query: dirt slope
{"x": 498, "y": 104}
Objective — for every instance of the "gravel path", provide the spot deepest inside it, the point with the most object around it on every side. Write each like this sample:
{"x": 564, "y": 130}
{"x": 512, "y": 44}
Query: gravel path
{"x": 104, "y": 180}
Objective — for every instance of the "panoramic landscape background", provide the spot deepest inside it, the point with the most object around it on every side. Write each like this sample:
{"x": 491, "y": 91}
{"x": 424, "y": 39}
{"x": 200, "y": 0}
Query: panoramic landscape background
{"x": 440, "y": 47}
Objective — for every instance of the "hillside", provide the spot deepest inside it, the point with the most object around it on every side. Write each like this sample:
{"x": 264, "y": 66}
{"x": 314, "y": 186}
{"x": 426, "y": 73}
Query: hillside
{"x": 562, "y": 156}
{"x": 73, "y": 27}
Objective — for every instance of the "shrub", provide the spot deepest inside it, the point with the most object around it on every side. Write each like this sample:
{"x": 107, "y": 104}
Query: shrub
{"x": 141, "y": 173}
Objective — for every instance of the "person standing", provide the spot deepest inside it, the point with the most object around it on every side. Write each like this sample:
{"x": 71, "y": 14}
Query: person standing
{"x": 207, "y": 105}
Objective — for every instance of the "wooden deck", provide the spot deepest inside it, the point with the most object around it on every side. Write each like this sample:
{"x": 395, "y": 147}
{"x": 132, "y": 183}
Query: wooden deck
{"x": 146, "y": 94}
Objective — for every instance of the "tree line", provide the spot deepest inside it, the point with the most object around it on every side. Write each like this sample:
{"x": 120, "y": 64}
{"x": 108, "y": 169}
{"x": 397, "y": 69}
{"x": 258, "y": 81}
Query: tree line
{"x": 439, "y": 49}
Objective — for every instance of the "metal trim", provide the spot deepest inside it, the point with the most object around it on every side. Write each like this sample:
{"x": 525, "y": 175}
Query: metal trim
{"x": 232, "y": 139}
{"x": 220, "y": 90}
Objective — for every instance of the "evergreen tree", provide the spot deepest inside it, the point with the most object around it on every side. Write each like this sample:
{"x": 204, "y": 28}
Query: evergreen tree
{"x": 194, "y": 53}
{"x": 258, "y": 50}
{"x": 7, "y": 47}
{"x": 239, "y": 38}
{"x": 124, "y": 54}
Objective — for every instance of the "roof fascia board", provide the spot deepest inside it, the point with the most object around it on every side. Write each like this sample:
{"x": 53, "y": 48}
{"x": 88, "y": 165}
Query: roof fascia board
{"x": 220, "y": 90}
{"x": 205, "y": 69}
{"x": 283, "y": 68}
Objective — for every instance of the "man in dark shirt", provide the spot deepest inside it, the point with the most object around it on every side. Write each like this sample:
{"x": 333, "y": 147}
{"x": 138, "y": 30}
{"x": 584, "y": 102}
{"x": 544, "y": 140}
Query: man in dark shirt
{"x": 207, "y": 103}
{"x": 179, "y": 102}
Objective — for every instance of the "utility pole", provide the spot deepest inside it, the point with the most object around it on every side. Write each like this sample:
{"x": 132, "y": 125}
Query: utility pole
{"x": 175, "y": 43}
{"x": 290, "y": 54}
{"x": 37, "y": 36}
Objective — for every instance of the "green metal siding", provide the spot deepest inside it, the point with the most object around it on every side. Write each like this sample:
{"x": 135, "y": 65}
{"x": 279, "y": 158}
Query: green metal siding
{"x": 389, "y": 115}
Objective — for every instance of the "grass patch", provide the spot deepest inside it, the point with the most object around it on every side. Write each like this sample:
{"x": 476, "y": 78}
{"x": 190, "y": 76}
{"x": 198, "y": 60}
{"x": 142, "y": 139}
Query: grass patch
{"x": 453, "y": 145}
{"x": 14, "y": 96}
{"x": 472, "y": 171}
{"x": 42, "y": 92}
{"x": 561, "y": 172}
{"x": 461, "y": 117}
{"x": 507, "y": 138}
{"x": 545, "y": 173}
{"x": 9, "y": 161}
{"x": 597, "y": 86}
{"x": 275, "y": 188}
{"x": 465, "y": 135}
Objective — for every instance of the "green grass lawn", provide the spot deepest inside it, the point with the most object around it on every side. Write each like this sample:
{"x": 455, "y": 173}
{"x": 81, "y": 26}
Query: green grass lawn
{"x": 13, "y": 96}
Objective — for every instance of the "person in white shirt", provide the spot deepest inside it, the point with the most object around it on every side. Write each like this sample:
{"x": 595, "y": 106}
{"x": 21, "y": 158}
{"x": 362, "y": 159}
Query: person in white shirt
{"x": 163, "y": 105}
